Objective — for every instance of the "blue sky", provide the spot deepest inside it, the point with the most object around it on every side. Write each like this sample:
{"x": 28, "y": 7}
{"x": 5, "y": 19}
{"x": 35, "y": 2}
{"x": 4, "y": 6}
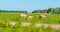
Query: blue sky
{"x": 28, "y": 5}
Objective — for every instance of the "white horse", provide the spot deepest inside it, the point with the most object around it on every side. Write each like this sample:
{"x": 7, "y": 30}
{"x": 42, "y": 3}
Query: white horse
{"x": 43, "y": 15}
{"x": 23, "y": 15}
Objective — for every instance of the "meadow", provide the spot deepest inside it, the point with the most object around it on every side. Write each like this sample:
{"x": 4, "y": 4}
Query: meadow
{"x": 6, "y": 18}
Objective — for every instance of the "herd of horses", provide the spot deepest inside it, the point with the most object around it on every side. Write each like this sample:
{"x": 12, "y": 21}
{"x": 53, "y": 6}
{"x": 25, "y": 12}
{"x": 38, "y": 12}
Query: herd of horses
{"x": 41, "y": 15}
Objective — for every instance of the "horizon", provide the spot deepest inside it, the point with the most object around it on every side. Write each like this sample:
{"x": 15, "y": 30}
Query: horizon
{"x": 28, "y": 5}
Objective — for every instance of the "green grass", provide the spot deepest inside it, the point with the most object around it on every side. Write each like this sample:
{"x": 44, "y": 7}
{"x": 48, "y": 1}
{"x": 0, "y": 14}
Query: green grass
{"x": 51, "y": 19}
{"x": 6, "y": 18}
{"x": 27, "y": 29}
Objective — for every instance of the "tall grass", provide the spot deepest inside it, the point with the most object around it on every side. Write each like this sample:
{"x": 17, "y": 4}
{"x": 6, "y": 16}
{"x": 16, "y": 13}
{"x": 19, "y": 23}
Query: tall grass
{"x": 51, "y": 19}
{"x": 6, "y": 27}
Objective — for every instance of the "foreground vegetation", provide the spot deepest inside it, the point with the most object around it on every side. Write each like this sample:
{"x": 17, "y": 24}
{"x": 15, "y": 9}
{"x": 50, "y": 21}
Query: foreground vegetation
{"x": 5, "y": 18}
{"x": 26, "y": 29}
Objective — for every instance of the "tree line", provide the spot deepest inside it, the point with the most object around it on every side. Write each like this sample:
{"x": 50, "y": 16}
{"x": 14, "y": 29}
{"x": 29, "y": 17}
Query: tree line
{"x": 49, "y": 10}
{"x": 13, "y": 11}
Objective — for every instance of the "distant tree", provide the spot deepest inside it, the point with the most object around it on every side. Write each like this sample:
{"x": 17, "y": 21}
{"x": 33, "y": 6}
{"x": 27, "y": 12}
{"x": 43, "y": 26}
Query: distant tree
{"x": 56, "y": 11}
{"x": 45, "y": 10}
{"x": 13, "y": 11}
{"x": 37, "y": 11}
{"x": 53, "y": 10}
{"x": 49, "y": 10}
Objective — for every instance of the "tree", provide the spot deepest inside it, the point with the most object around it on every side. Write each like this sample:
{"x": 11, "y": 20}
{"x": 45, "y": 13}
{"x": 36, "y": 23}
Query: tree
{"x": 37, "y": 11}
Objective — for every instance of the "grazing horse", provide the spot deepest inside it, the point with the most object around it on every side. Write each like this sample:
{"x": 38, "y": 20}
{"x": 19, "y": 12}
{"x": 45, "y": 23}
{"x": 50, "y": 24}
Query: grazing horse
{"x": 24, "y": 24}
{"x": 23, "y": 15}
{"x": 30, "y": 17}
{"x": 43, "y": 15}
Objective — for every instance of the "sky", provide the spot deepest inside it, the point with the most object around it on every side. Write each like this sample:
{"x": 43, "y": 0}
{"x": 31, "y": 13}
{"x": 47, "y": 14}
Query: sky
{"x": 28, "y": 5}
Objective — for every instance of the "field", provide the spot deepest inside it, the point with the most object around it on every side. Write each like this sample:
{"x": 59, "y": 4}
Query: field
{"x": 6, "y": 18}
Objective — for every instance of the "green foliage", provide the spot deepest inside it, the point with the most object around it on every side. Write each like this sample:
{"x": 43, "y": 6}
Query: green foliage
{"x": 5, "y": 11}
{"x": 49, "y": 10}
